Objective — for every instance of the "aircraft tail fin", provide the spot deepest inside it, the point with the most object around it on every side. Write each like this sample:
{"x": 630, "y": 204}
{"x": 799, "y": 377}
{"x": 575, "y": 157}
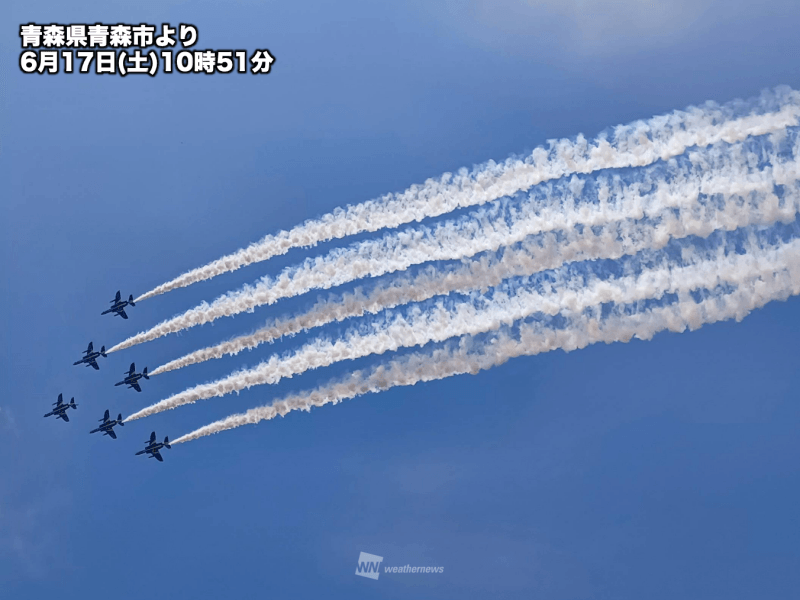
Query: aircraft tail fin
{"x": 166, "y": 442}
{"x": 130, "y": 300}
{"x": 144, "y": 373}
{"x": 72, "y": 403}
{"x": 119, "y": 420}
{"x": 103, "y": 350}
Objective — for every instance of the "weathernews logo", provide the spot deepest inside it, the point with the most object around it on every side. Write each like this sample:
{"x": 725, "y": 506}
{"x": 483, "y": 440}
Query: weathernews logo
{"x": 369, "y": 565}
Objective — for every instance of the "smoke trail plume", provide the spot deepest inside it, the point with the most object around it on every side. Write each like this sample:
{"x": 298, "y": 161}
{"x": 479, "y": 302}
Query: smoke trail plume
{"x": 706, "y": 268}
{"x": 638, "y": 144}
{"x": 467, "y": 356}
{"x": 592, "y": 227}
{"x": 483, "y": 273}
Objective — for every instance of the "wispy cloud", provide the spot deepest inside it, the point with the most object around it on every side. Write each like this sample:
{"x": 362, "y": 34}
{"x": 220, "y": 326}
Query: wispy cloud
{"x": 7, "y": 422}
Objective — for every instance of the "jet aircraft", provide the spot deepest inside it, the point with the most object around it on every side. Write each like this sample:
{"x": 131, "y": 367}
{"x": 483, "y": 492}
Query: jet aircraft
{"x": 152, "y": 447}
{"x": 132, "y": 378}
{"x": 107, "y": 426}
{"x": 91, "y": 357}
{"x": 118, "y": 305}
{"x": 60, "y": 410}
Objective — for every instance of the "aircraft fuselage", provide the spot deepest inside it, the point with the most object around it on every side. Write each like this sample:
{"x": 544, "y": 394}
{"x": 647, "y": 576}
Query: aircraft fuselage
{"x": 89, "y": 358}
{"x": 152, "y": 449}
{"x": 117, "y": 308}
{"x": 106, "y": 427}
{"x": 59, "y": 411}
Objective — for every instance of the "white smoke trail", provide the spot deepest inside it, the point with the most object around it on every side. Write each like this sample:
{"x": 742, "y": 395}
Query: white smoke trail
{"x": 729, "y": 170}
{"x": 708, "y": 268}
{"x": 638, "y": 144}
{"x": 483, "y": 273}
{"x": 469, "y": 357}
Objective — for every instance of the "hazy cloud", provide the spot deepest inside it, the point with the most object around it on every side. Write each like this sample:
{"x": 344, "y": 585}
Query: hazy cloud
{"x": 577, "y": 26}
{"x": 7, "y": 422}
{"x": 27, "y": 536}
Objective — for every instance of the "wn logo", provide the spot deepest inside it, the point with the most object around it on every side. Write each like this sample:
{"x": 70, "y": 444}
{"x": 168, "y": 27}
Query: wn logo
{"x": 369, "y": 565}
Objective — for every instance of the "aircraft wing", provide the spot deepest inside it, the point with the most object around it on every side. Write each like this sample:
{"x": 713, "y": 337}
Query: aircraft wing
{"x": 93, "y": 362}
{"x": 64, "y": 416}
{"x": 136, "y": 387}
{"x": 122, "y": 314}
{"x": 112, "y": 434}
{"x": 157, "y": 454}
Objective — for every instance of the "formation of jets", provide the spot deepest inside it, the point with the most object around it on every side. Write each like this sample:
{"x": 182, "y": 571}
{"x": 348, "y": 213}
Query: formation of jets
{"x": 132, "y": 379}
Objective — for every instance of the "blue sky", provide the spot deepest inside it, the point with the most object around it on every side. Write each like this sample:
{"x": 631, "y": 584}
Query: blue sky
{"x": 656, "y": 469}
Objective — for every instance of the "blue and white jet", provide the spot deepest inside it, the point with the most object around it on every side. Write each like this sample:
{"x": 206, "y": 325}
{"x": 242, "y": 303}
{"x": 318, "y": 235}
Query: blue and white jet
{"x": 152, "y": 447}
{"x": 132, "y": 378}
{"x": 107, "y": 425}
{"x": 118, "y": 305}
{"x": 60, "y": 408}
{"x": 91, "y": 357}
